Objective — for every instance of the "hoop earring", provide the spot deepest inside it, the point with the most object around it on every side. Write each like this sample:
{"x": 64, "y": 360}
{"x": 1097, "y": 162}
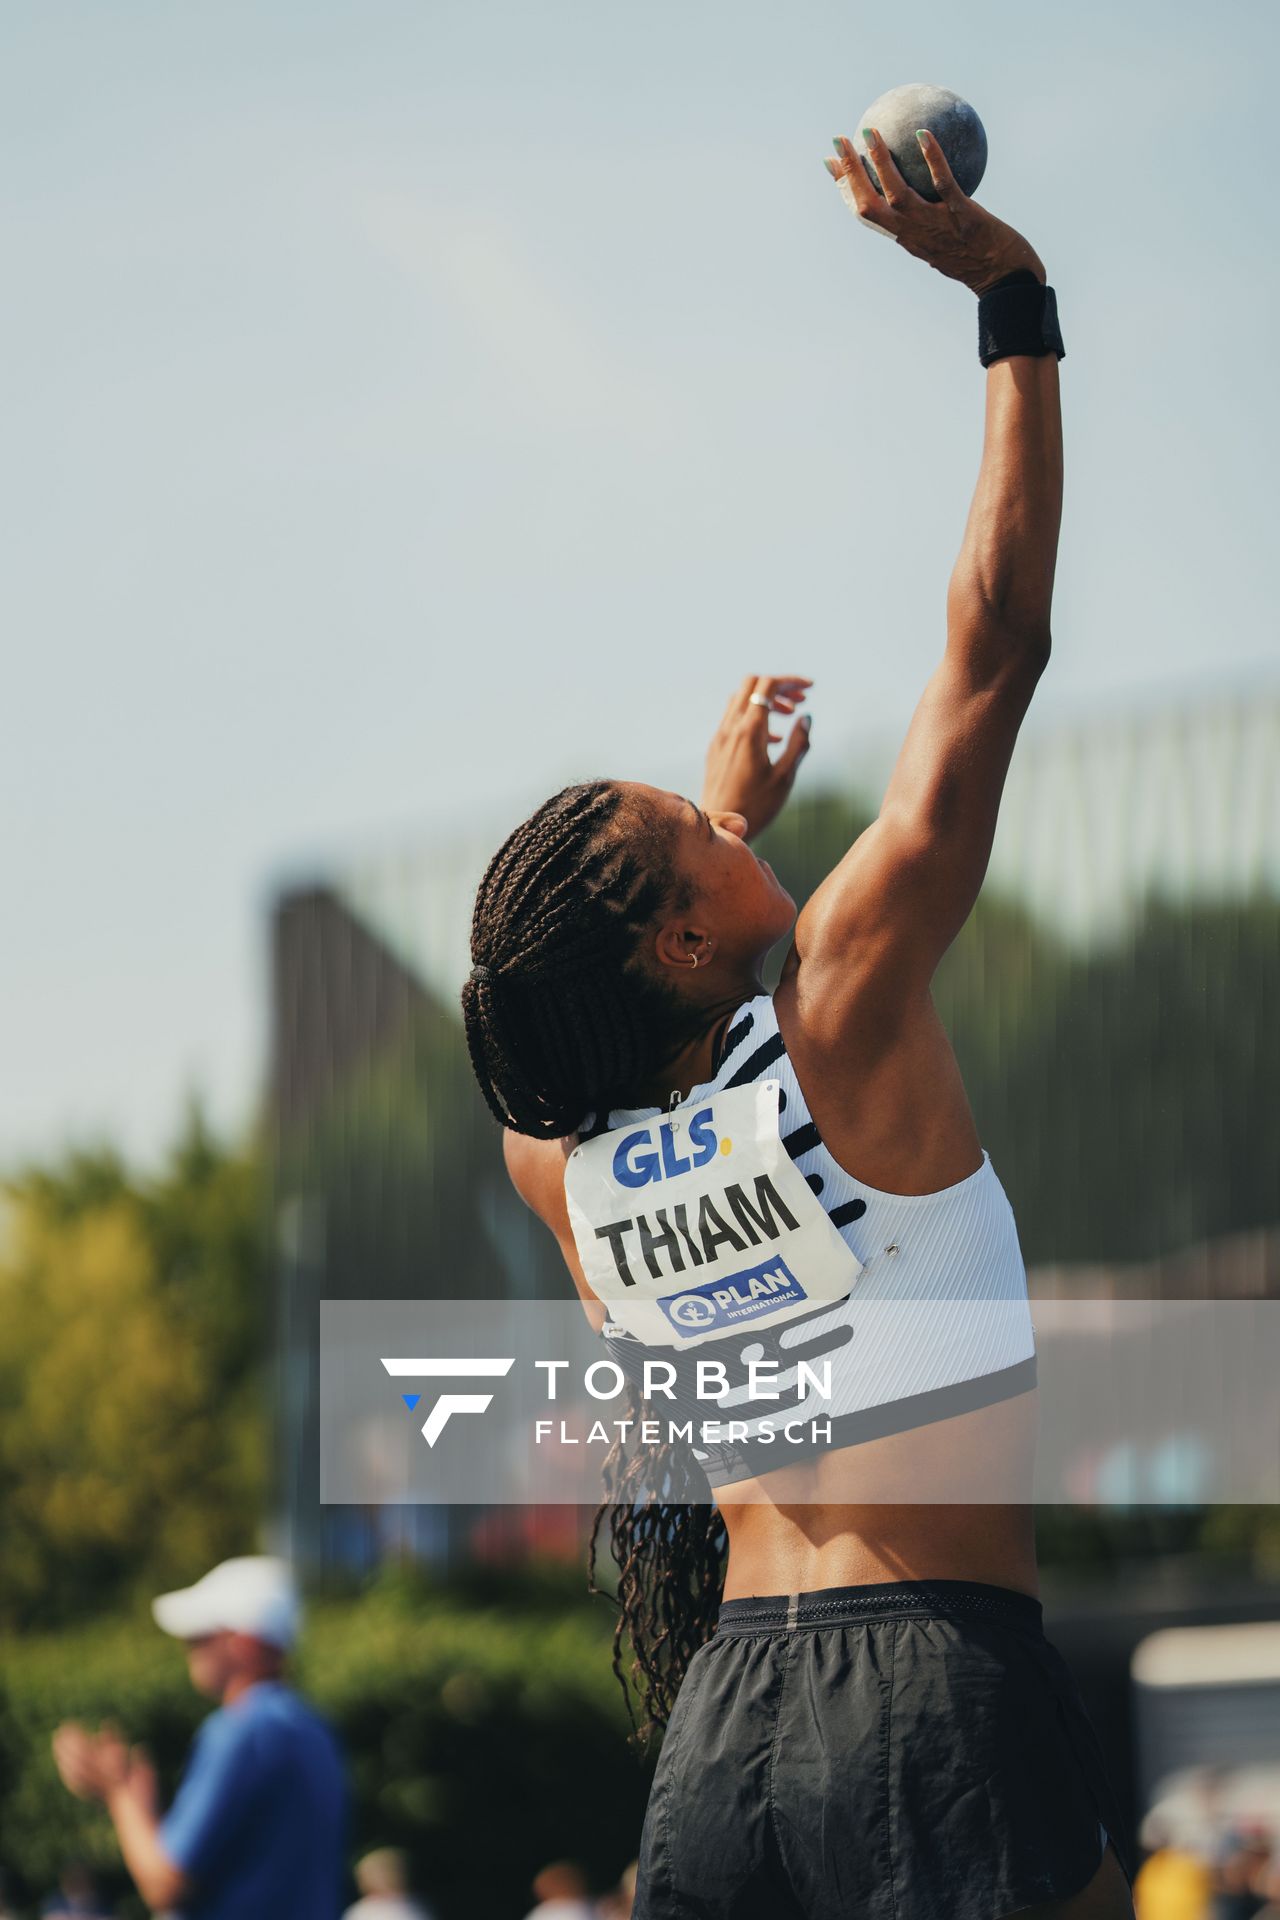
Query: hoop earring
{"x": 693, "y": 959}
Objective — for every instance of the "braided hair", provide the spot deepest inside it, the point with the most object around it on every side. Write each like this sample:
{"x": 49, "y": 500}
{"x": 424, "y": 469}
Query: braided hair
{"x": 668, "y": 1543}
{"x": 562, "y": 1018}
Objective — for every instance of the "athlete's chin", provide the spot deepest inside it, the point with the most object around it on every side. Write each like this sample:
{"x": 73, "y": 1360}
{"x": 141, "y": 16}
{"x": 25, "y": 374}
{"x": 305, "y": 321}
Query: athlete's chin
{"x": 781, "y": 919}
{"x": 783, "y": 901}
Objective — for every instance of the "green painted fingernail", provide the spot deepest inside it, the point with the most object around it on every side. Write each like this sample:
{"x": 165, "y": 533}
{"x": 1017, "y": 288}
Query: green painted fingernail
{"x": 920, "y": 135}
{"x": 836, "y": 144}
{"x": 868, "y": 133}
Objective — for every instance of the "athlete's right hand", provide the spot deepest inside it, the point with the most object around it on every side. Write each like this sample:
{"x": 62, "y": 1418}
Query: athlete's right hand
{"x": 740, "y": 776}
{"x": 953, "y": 234}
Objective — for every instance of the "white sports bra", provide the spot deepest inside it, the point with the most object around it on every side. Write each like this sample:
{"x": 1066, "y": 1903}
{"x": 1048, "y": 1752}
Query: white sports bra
{"x": 937, "y": 1323}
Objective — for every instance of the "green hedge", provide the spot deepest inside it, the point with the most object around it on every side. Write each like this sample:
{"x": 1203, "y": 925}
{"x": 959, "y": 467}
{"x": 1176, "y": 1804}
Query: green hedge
{"x": 485, "y": 1735}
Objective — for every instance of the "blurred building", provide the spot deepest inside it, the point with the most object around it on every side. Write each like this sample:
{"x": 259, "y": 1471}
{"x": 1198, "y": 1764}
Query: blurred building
{"x": 389, "y": 1184}
{"x": 1180, "y": 800}
{"x": 1207, "y": 1716}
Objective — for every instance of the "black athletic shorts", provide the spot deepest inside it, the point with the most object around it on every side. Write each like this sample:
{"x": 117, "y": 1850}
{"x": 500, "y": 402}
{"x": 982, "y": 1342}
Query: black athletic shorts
{"x": 908, "y": 1752}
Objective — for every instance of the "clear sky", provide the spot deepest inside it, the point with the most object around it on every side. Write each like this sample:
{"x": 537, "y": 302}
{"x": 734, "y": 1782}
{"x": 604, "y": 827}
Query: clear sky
{"x": 407, "y": 407}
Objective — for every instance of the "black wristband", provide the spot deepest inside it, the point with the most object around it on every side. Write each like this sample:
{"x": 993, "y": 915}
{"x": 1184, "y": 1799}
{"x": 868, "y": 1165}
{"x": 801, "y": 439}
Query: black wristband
{"x": 1020, "y": 277}
{"x": 1018, "y": 315}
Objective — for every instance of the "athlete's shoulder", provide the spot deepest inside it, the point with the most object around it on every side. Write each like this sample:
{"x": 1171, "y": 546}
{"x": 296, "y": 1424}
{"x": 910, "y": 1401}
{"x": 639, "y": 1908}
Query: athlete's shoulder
{"x": 536, "y": 1171}
{"x": 536, "y": 1168}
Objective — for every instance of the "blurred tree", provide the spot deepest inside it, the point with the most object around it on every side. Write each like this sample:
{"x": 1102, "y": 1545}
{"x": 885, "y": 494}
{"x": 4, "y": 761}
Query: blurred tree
{"x": 1138, "y": 1115}
{"x": 1124, "y": 1090}
{"x": 131, "y": 1419}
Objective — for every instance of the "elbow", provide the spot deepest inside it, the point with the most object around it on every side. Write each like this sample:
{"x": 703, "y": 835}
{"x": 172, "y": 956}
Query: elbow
{"x": 998, "y": 627}
{"x": 164, "y": 1886}
{"x": 998, "y": 649}
{"x": 1037, "y": 643}
{"x": 1023, "y": 657}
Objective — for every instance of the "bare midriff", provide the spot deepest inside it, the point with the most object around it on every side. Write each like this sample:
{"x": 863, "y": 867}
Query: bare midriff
{"x": 947, "y": 1501}
{"x": 901, "y": 1512}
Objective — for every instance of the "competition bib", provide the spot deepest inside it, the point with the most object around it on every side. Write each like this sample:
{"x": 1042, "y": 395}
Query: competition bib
{"x": 698, "y": 1224}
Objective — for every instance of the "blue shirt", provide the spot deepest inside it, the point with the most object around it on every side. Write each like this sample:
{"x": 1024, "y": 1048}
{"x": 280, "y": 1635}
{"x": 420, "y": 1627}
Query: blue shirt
{"x": 258, "y": 1822}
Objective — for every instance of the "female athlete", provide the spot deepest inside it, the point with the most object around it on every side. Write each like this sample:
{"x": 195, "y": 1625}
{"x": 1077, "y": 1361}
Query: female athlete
{"x": 869, "y": 1720}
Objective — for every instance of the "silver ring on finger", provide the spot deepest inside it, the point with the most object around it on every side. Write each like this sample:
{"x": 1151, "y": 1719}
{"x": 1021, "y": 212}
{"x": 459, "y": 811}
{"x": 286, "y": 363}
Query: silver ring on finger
{"x": 760, "y": 700}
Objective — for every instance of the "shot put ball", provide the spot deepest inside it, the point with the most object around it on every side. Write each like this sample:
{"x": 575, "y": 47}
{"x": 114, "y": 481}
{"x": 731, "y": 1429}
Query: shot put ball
{"x": 953, "y": 123}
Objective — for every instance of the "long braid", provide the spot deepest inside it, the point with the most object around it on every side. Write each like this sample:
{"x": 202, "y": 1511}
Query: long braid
{"x": 560, "y": 1020}
{"x": 668, "y": 1544}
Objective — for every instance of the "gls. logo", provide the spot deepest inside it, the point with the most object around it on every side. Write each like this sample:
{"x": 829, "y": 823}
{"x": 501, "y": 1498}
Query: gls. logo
{"x": 448, "y": 1403}
{"x": 637, "y": 1160}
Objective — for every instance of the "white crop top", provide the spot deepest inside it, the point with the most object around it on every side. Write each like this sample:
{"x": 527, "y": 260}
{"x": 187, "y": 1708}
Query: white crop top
{"x": 968, "y": 1343}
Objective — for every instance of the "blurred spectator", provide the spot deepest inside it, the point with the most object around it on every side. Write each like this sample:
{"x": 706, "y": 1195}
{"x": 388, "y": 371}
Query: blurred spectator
{"x": 618, "y": 1904}
{"x": 256, "y": 1830}
{"x": 1269, "y": 1888}
{"x": 1173, "y": 1883}
{"x": 383, "y": 1880}
{"x": 76, "y": 1893}
{"x": 1238, "y": 1894}
{"x": 561, "y": 1893}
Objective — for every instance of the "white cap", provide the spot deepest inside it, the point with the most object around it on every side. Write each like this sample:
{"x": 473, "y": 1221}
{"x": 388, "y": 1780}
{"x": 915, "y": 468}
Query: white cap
{"x": 253, "y": 1595}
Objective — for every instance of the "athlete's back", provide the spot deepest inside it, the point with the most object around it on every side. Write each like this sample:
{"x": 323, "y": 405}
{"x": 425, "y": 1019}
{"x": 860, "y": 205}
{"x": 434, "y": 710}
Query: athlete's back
{"x": 912, "y": 1458}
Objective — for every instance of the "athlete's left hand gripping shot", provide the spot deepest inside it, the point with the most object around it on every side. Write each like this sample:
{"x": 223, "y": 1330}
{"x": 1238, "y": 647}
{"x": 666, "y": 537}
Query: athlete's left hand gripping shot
{"x": 842, "y": 1635}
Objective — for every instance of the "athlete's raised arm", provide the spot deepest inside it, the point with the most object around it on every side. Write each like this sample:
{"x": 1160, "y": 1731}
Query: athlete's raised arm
{"x": 895, "y": 903}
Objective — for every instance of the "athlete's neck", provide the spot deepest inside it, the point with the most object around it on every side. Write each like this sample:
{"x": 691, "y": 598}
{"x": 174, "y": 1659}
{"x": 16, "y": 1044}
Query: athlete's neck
{"x": 695, "y": 1063}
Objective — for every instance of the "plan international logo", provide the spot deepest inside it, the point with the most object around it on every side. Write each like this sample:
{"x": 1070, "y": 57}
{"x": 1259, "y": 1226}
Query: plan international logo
{"x": 727, "y": 1303}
